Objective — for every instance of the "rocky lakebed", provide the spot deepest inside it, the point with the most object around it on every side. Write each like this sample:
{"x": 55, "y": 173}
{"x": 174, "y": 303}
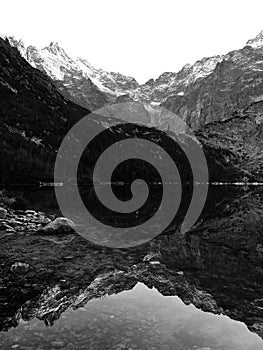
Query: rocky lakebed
{"x": 58, "y": 290}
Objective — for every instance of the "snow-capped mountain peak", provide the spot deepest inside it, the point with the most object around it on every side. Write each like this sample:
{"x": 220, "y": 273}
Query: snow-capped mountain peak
{"x": 256, "y": 42}
{"x": 17, "y": 43}
{"x": 54, "y": 48}
{"x": 51, "y": 59}
{"x": 91, "y": 87}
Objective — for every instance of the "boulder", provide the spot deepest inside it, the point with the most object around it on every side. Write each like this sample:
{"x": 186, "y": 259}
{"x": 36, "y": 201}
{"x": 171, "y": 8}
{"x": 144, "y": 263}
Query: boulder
{"x": 151, "y": 256}
{"x": 3, "y": 213}
{"x": 59, "y": 226}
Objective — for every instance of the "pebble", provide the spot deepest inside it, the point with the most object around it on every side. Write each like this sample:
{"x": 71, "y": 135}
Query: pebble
{"x": 155, "y": 262}
{"x": 32, "y": 212}
{"x": 10, "y": 230}
{"x": 57, "y": 344}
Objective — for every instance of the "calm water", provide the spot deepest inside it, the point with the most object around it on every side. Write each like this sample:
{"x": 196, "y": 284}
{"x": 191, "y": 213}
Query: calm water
{"x": 224, "y": 258}
{"x": 137, "y": 319}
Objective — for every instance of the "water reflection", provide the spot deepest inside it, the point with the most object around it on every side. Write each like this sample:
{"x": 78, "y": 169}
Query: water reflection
{"x": 217, "y": 267}
{"x": 137, "y": 319}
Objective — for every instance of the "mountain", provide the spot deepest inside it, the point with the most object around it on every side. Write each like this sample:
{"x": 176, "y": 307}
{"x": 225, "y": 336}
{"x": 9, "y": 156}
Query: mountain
{"x": 93, "y": 88}
{"x": 176, "y": 83}
{"x": 77, "y": 79}
{"x": 212, "y": 89}
{"x": 35, "y": 118}
{"x": 256, "y": 42}
{"x": 235, "y": 83}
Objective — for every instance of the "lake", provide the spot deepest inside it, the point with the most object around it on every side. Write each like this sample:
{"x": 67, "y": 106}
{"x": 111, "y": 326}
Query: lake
{"x": 201, "y": 290}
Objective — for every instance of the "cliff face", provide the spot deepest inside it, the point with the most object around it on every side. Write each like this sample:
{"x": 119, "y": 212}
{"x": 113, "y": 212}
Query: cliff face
{"x": 241, "y": 135}
{"x": 234, "y": 84}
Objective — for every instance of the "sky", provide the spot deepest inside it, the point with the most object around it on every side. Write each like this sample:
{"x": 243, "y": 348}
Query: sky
{"x": 140, "y": 38}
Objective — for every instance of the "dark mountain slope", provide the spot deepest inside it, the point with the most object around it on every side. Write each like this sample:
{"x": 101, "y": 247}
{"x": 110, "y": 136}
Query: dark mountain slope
{"x": 34, "y": 116}
{"x": 241, "y": 136}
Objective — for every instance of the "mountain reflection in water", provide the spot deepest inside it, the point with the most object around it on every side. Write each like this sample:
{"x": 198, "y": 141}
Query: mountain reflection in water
{"x": 169, "y": 293}
{"x": 137, "y": 319}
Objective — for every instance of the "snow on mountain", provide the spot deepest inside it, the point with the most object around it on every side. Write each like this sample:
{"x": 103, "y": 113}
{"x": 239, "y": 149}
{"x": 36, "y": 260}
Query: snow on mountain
{"x": 170, "y": 83}
{"x": 257, "y": 41}
{"x": 112, "y": 83}
{"x": 72, "y": 73}
{"x": 68, "y": 71}
{"x": 227, "y": 91}
{"x": 92, "y": 87}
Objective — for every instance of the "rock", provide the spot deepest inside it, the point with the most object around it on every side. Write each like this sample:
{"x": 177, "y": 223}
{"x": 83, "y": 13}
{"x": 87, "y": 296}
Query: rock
{"x": 3, "y": 226}
{"x": 32, "y": 212}
{"x": 57, "y": 344}
{"x": 20, "y": 212}
{"x": 19, "y": 268}
{"x": 14, "y": 222}
{"x": 7, "y": 227}
{"x": 3, "y": 213}
{"x": 69, "y": 257}
{"x": 151, "y": 256}
{"x": 10, "y": 230}
{"x": 59, "y": 226}
{"x": 45, "y": 221}
{"x": 155, "y": 262}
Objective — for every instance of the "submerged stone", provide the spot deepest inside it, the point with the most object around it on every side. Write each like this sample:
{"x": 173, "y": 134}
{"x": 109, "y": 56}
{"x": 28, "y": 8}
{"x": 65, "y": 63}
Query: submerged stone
{"x": 3, "y": 213}
{"x": 19, "y": 268}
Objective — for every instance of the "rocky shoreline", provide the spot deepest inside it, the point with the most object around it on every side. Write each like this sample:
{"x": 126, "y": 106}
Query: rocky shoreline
{"x": 12, "y": 221}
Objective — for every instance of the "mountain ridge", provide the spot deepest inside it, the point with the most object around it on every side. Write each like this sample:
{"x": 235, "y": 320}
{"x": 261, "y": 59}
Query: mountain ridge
{"x": 53, "y": 60}
{"x": 93, "y": 87}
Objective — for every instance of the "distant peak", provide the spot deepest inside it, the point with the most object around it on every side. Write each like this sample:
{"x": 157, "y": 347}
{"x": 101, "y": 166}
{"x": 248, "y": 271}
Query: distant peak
{"x": 54, "y": 47}
{"x": 186, "y": 67}
{"x": 14, "y": 41}
{"x": 257, "y": 41}
{"x": 54, "y": 44}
